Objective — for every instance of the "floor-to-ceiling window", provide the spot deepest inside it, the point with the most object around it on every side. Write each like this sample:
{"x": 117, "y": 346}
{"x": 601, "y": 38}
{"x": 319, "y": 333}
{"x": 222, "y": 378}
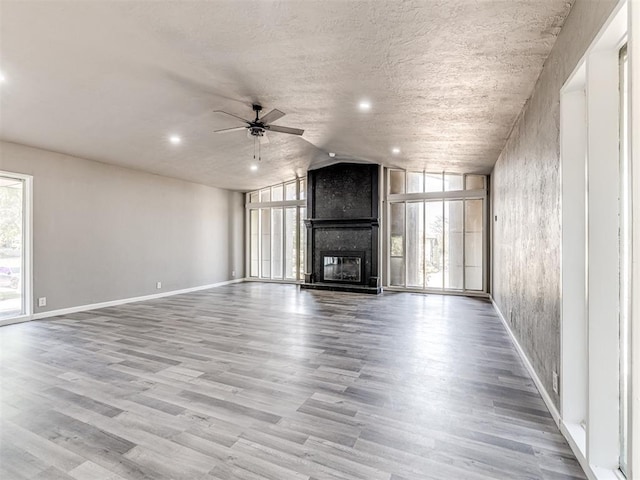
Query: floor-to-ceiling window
{"x": 436, "y": 231}
{"x": 276, "y": 233}
{"x": 14, "y": 242}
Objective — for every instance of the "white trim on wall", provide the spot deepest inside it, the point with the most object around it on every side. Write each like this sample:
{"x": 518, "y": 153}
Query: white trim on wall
{"x": 573, "y": 331}
{"x": 113, "y": 303}
{"x": 633, "y": 46}
{"x": 603, "y": 338}
{"x": 589, "y": 141}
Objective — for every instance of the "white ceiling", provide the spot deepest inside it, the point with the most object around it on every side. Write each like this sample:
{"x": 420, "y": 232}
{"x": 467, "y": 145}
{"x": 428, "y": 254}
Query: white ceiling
{"x": 110, "y": 81}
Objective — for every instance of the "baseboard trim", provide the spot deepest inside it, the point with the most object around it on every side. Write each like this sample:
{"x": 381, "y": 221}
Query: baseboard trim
{"x": 569, "y": 432}
{"x": 113, "y": 303}
{"x": 553, "y": 410}
{"x": 14, "y": 320}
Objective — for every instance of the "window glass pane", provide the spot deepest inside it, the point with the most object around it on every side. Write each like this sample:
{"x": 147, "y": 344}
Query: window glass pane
{"x": 11, "y": 247}
{"x": 303, "y": 241}
{"x": 433, "y": 182}
{"x": 290, "y": 191}
{"x": 303, "y": 189}
{"x": 475, "y": 182}
{"x": 265, "y": 241}
{"x": 452, "y": 182}
{"x": 453, "y": 244}
{"x": 433, "y": 244}
{"x": 254, "y": 243}
{"x": 276, "y": 193}
{"x": 265, "y": 195}
{"x": 473, "y": 244}
{"x": 396, "y": 181}
{"x": 415, "y": 244}
{"x": 253, "y": 197}
{"x": 396, "y": 274}
{"x": 276, "y": 243}
{"x": 415, "y": 182}
{"x": 290, "y": 247}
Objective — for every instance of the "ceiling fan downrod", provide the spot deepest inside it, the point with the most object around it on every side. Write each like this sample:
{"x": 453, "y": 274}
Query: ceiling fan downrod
{"x": 256, "y": 108}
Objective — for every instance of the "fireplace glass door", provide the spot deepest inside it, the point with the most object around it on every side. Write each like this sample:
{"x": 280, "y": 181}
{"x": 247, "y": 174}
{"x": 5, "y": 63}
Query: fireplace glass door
{"x": 342, "y": 269}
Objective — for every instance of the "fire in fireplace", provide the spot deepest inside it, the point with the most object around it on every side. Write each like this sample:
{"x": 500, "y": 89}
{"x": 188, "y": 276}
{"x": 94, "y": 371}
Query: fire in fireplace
{"x": 342, "y": 268}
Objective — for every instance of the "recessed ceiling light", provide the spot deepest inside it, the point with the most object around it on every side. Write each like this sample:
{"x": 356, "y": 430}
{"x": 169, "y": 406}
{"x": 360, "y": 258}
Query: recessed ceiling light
{"x": 395, "y": 150}
{"x": 175, "y": 139}
{"x": 2, "y": 78}
{"x": 331, "y": 154}
{"x": 254, "y": 167}
{"x": 364, "y": 105}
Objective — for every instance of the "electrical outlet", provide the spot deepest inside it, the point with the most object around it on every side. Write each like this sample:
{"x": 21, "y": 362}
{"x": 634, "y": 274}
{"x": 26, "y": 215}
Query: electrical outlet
{"x": 233, "y": 274}
{"x": 42, "y": 302}
{"x": 555, "y": 382}
{"x": 158, "y": 285}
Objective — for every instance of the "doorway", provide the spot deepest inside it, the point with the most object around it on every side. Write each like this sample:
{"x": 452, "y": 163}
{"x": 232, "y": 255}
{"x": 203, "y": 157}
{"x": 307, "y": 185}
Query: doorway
{"x": 14, "y": 246}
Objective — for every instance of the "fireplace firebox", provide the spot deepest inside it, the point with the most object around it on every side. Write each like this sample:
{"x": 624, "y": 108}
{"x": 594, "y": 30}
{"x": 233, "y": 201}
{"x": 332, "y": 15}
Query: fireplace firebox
{"x": 343, "y": 267}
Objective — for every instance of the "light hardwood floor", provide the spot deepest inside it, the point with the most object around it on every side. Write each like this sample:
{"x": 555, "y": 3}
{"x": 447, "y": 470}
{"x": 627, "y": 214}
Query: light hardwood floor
{"x": 264, "y": 381}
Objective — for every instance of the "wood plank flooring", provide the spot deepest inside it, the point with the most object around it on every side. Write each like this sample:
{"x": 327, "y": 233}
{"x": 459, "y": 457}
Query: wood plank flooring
{"x": 264, "y": 381}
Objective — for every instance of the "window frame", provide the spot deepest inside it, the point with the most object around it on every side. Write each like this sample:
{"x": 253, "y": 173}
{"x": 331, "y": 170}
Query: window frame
{"x": 424, "y": 197}
{"x": 298, "y": 203}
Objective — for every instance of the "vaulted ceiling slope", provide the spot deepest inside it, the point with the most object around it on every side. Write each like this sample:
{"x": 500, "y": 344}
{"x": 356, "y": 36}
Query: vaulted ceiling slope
{"x": 110, "y": 81}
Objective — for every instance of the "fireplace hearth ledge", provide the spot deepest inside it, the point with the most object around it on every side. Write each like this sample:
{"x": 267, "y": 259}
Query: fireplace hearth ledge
{"x": 334, "y": 287}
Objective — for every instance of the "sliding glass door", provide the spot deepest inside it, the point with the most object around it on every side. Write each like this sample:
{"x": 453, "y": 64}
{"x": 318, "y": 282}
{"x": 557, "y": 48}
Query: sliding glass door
{"x": 13, "y": 246}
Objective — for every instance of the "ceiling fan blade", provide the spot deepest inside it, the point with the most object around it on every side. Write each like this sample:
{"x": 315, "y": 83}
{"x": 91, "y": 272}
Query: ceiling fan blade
{"x": 272, "y": 116}
{"x": 232, "y": 129}
{"x": 232, "y": 115}
{"x": 278, "y": 128}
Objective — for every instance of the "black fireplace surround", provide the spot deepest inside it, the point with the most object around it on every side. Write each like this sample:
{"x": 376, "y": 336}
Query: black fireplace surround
{"x": 342, "y": 228}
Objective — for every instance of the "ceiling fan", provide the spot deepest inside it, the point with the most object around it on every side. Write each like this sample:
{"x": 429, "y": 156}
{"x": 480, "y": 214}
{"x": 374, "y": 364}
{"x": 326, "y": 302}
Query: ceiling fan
{"x": 259, "y": 126}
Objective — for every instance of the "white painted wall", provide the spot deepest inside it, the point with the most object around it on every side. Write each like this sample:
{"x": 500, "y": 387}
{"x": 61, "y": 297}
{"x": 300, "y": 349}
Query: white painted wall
{"x": 104, "y": 233}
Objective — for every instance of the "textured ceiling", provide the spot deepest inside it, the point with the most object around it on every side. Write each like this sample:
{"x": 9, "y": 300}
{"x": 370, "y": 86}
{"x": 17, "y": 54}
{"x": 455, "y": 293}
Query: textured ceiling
{"x": 109, "y": 81}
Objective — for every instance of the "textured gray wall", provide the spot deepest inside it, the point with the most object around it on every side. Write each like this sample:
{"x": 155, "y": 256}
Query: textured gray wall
{"x": 102, "y": 232}
{"x": 525, "y": 197}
